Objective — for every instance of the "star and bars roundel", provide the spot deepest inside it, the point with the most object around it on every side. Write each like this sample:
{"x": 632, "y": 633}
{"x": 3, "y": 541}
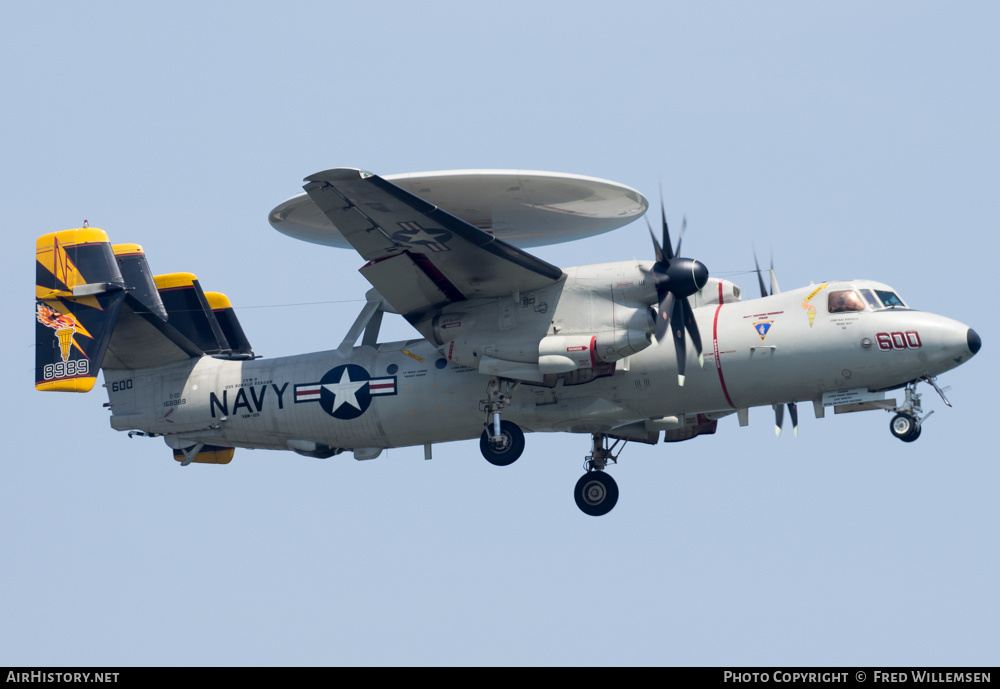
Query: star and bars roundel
{"x": 346, "y": 391}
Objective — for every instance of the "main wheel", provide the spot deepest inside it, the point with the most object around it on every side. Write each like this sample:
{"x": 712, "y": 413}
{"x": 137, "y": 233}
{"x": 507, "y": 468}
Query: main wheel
{"x": 508, "y": 447}
{"x": 904, "y": 427}
{"x": 596, "y": 493}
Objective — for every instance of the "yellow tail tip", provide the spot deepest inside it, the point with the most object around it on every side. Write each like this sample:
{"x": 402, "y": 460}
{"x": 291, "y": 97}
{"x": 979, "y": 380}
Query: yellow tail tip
{"x": 82, "y": 384}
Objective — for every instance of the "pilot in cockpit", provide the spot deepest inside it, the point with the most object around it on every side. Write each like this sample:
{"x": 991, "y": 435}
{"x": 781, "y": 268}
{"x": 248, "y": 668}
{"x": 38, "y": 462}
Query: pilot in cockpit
{"x": 845, "y": 300}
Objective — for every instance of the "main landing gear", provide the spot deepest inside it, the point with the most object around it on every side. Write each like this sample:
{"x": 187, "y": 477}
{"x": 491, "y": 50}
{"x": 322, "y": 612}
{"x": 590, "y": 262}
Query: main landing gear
{"x": 503, "y": 448}
{"x": 502, "y": 442}
{"x": 907, "y": 422}
{"x": 596, "y": 492}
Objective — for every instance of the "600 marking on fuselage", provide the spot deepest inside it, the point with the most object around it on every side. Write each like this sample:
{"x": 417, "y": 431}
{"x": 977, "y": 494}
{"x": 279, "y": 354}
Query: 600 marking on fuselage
{"x": 66, "y": 369}
{"x": 890, "y": 341}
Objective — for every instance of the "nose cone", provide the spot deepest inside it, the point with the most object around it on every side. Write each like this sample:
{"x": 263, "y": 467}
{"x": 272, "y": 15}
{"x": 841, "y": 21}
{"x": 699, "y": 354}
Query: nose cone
{"x": 974, "y": 341}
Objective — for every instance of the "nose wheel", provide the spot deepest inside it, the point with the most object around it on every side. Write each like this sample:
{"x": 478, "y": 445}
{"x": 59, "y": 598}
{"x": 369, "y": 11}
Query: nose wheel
{"x": 905, "y": 427}
{"x": 906, "y": 424}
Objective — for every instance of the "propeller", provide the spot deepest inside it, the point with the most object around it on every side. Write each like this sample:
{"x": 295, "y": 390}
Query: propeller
{"x": 779, "y": 418}
{"x": 676, "y": 279}
{"x": 779, "y": 410}
{"x": 760, "y": 279}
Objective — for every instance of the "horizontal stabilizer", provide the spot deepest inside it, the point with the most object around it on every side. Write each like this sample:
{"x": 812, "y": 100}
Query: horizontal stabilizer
{"x": 99, "y": 306}
{"x": 141, "y": 339}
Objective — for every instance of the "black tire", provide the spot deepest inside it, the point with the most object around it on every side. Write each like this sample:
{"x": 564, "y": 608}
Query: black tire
{"x": 904, "y": 427}
{"x": 596, "y": 493}
{"x": 511, "y": 449}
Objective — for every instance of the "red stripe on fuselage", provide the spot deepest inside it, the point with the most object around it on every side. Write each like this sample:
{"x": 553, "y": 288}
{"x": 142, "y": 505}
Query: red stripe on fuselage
{"x": 715, "y": 347}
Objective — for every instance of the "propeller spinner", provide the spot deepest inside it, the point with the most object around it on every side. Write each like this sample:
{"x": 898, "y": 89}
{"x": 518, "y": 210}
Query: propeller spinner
{"x": 676, "y": 279}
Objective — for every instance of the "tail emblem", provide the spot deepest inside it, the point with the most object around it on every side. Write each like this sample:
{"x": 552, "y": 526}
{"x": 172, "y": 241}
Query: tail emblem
{"x": 64, "y": 325}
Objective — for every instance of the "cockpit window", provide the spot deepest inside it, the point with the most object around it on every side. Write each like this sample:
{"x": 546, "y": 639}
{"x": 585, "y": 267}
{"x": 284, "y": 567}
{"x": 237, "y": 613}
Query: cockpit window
{"x": 845, "y": 300}
{"x": 890, "y": 298}
{"x": 871, "y": 299}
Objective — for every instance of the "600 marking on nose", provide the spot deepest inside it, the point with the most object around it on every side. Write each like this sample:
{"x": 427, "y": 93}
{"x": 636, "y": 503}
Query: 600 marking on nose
{"x": 890, "y": 341}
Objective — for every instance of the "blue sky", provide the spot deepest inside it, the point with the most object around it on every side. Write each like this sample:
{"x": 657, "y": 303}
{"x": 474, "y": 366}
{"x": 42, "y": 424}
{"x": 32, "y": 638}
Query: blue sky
{"x": 856, "y": 139}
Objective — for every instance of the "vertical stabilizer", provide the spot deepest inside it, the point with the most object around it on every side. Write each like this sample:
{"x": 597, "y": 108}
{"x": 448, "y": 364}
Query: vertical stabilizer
{"x": 230, "y": 324}
{"x": 79, "y": 291}
{"x": 189, "y": 312}
{"x": 135, "y": 271}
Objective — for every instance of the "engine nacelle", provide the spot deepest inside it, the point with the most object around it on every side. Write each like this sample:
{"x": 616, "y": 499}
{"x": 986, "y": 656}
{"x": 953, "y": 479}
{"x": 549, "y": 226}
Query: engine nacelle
{"x": 693, "y": 426}
{"x": 598, "y": 318}
{"x": 450, "y": 326}
{"x": 717, "y": 291}
{"x": 563, "y": 353}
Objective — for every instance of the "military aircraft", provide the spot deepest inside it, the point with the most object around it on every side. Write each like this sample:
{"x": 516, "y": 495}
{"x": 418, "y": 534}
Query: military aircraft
{"x": 508, "y": 343}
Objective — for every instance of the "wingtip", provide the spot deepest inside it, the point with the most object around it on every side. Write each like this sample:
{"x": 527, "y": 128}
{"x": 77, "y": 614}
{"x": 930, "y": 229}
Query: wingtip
{"x": 338, "y": 174}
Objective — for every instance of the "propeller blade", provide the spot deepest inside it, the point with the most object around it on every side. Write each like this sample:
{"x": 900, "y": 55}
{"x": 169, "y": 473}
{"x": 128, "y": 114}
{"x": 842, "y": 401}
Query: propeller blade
{"x": 677, "y": 330}
{"x": 692, "y": 327}
{"x": 793, "y": 411}
{"x": 667, "y": 246}
{"x": 760, "y": 278}
{"x": 779, "y": 419}
{"x": 684, "y": 224}
{"x": 656, "y": 245}
{"x": 663, "y": 316}
{"x": 774, "y": 277}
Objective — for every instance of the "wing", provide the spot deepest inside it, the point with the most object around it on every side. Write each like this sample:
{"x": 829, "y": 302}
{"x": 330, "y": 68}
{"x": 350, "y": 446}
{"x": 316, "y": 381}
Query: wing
{"x": 419, "y": 256}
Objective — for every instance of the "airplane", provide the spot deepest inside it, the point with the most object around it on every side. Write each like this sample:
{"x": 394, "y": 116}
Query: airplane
{"x": 639, "y": 350}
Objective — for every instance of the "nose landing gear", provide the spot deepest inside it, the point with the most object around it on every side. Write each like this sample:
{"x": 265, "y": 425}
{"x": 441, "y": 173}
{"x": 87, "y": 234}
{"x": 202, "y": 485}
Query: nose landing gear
{"x": 907, "y": 422}
{"x": 596, "y": 492}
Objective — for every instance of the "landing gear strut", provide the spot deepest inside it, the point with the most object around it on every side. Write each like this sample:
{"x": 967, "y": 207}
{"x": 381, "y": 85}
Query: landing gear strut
{"x": 501, "y": 449}
{"x": 502, "y": 442}
{"x": 907, "y": 422}
{"x": 596, "y": 492}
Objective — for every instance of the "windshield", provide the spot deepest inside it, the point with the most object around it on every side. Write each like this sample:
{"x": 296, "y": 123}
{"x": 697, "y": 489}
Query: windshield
{"x": 889, "y": 299}
{"x": 845, "y": 300}
{"x": 871, "y": 299}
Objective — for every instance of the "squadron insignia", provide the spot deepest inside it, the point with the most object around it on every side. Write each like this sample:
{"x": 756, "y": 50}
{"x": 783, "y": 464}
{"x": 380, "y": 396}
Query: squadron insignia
{"x": 762, "y": 328}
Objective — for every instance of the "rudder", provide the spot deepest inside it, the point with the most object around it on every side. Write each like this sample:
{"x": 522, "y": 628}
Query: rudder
{"x": 78, "y": 292}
